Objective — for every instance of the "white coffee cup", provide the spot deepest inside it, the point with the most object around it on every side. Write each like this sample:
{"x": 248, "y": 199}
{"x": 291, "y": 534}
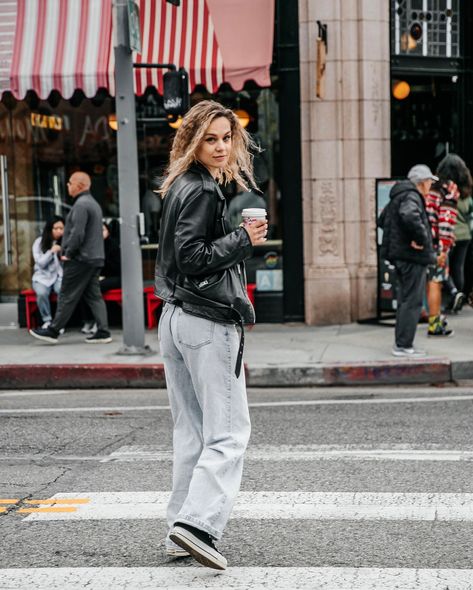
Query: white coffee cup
{"x": 250, "y": 216}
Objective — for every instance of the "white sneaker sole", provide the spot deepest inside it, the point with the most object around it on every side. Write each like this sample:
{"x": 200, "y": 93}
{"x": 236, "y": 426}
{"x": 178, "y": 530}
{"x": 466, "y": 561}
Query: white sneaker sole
{"x": 177, "y": 552}
{"x": 43, "y": 338}
{"x": 101, "y": 341}
{"x": 201, "y": 552}
{"x": 407, "y": 356}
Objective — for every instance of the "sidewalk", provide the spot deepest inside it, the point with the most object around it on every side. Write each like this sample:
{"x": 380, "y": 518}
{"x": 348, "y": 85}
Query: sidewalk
{"x": 276, "y": 355}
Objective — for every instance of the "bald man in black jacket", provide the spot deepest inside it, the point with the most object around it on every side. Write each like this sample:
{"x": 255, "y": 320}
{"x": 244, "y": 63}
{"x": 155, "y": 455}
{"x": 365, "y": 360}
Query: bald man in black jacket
{"x": 83, "y": 257}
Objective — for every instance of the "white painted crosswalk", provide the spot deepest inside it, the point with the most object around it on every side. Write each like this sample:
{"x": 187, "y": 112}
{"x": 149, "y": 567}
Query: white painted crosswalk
{"x": 271, "y": 505}
{"x": 130, "y": 453}
{"x": 237, "y": 578}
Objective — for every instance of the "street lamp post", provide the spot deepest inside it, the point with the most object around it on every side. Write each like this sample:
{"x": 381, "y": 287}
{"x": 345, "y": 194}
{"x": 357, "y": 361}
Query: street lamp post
{"x": 128, "y": 192}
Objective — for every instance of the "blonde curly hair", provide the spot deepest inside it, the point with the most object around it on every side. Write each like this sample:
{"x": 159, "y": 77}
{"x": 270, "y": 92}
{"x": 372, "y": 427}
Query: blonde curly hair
{"x": 190, "y": 135}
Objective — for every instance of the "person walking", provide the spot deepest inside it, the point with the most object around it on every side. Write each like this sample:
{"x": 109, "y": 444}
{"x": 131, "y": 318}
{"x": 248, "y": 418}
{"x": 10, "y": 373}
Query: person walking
{"x": 200, "y": 266}
{"x": 441, "y": 207}
{"x": 454, "y": 168}
{"x": 83, "y": 257}
{"x": 47, "y": 275}
{"x": 407, "y": 244}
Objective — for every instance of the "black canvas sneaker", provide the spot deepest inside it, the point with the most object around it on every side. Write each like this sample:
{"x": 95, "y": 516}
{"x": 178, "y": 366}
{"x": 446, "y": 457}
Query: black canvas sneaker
{"x": 48, "y": 334}
{"x": 199, "y": 544}
{"x": 100, "y": 337}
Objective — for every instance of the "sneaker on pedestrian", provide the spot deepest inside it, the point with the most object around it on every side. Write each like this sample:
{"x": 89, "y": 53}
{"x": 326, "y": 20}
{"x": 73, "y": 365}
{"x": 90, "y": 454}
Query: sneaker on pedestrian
{"x": 199, "y": 544}
{"x": 458, "y": 301}
{"x": 87, "y": 328}
{"x": 100, "y": 337}
{"x": 48, "y": 334}
{"x": 408, "y": 352}
{"x": 173, "y": 550}
{"x": 440, "y": 331}
{"x": 438, "y": 327}
{"x": 45, "y": 325}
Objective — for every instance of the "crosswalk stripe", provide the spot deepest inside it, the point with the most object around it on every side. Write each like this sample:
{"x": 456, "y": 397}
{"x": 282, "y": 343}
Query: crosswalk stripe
{"x": 269, "y": 404}
{"x": 281, "y": 505}
{"x": 130, "y": 453}
{"x": 153, "y": 453}
{"x": 236, "y": 578}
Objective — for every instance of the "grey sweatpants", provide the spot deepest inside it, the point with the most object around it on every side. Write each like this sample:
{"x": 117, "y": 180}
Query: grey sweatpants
{"x": 80, "y": 280}
{"x": 411, "y": 287}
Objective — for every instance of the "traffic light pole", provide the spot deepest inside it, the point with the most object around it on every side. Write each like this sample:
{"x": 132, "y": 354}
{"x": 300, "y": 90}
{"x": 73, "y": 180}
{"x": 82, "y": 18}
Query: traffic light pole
{"x": 128, "y": 192}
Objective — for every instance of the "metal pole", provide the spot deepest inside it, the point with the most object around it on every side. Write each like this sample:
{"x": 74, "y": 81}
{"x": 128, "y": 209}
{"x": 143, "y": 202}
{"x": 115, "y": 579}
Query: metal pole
{"x": 7, "y": 243}
{"x": 128, "y": 192}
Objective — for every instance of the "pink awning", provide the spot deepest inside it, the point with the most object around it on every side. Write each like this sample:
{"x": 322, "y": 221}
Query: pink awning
{"x": 67, "y": 44}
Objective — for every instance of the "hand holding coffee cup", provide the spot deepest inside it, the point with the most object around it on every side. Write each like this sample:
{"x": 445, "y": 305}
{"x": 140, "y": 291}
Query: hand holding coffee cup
{"x": 256, "y": 225}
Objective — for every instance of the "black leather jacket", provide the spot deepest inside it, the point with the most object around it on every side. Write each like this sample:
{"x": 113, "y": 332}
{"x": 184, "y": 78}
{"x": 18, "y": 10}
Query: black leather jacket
{"x": 194, "y": 242}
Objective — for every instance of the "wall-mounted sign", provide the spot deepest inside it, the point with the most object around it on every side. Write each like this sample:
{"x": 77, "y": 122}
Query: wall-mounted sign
{"x": 47, "y": 121}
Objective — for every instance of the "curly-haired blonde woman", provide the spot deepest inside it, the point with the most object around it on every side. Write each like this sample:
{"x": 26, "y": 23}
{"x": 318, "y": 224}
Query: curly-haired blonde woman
{"x": 200, "y": 276}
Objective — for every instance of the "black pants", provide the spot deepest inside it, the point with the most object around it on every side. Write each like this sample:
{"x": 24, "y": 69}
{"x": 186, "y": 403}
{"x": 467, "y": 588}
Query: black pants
{"x": 80, "y": 280}
{"x": 457, "y": 263}
{"x": 410, "y": 293}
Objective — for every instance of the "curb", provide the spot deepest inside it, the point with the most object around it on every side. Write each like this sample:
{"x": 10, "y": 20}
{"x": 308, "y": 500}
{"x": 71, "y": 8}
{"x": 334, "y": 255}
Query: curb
{"x": 95, "y": 376}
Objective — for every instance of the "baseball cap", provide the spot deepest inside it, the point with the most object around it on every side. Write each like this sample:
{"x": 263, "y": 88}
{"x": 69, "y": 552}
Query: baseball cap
{"x": 421, "y": 172}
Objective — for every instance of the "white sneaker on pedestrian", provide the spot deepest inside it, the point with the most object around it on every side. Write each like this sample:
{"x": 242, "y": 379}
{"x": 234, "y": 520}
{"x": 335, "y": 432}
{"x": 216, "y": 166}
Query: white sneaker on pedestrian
{"x": 87, "y": 328}
{"x": 408, "y": 352}
{"x": 45, "y": 325}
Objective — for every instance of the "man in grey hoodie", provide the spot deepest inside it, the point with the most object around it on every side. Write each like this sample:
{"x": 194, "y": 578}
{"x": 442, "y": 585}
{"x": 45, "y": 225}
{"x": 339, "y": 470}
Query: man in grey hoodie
{"x": 83, "y": 257}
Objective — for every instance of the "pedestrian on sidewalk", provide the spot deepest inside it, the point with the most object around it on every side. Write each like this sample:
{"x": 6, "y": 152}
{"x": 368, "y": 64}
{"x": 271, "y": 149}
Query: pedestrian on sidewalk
{"x": 407, "y": 244}
{"x": 454, "y": 168}
{"x": 47, "y": 275}
{"x": 441, "y": 206}
{"x": 200, "y": 252}
{"x": 83, "y": 257}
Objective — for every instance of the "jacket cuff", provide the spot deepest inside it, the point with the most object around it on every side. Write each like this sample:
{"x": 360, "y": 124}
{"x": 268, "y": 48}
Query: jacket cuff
{"x": 249, "y": 248}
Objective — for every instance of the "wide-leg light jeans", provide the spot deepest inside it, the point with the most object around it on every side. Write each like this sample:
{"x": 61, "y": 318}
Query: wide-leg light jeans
{"x": 211, "y": 418}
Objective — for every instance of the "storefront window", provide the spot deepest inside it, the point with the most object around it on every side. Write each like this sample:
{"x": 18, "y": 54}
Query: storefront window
{"x": 46, "y": 140}
{"x": 429, "y": 28}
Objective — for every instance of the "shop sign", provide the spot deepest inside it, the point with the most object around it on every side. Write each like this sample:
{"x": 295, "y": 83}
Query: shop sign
{"x": 269, "y": 280}
{"x": 47, "y": 121}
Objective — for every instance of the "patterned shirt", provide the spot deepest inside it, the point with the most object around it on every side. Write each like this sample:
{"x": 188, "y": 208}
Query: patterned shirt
{"x": 441, "y": 206}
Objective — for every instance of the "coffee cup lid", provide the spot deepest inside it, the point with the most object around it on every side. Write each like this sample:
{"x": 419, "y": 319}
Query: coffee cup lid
{"x": 254, "y": 212}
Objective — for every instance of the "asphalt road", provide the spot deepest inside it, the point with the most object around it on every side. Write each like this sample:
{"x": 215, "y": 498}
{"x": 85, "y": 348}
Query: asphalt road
{"x": 354, "y": 488}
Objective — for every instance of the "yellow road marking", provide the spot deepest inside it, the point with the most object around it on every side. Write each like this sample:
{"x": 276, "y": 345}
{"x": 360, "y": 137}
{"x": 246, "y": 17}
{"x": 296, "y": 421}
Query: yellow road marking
{"x": 9, "y": 501}
{"x": 49, "y": 509}
{"x": 59, "y": 501}
{"x": 3, "y": 509}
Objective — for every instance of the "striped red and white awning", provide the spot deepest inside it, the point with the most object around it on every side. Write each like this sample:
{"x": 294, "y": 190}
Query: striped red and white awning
{"x": 68, "y": 44}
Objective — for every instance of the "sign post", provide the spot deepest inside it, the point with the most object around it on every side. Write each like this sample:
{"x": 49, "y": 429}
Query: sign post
{"x": 129, "y": 201}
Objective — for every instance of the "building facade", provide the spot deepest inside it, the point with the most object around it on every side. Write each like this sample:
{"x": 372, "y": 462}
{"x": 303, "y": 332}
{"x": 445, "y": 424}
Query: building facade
{"x": 345, "y": 146}
{"x": 331, "y": 122}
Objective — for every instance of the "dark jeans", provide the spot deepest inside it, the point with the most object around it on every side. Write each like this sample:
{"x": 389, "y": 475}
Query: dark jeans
{"x": 411, "y": 287}
{"x": 457, "y": 263}
{"x": 80, "y": 280}
{"x": 105, "y": 285}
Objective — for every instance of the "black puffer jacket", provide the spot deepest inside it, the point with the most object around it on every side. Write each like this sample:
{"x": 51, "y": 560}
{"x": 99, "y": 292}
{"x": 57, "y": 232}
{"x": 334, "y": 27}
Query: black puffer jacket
{"x": 403, "y": 221}
{"x": 193, "y": 242}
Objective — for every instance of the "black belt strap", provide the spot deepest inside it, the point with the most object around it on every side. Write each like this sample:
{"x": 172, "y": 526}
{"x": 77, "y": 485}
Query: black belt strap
{"x": 187, "y": 296}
